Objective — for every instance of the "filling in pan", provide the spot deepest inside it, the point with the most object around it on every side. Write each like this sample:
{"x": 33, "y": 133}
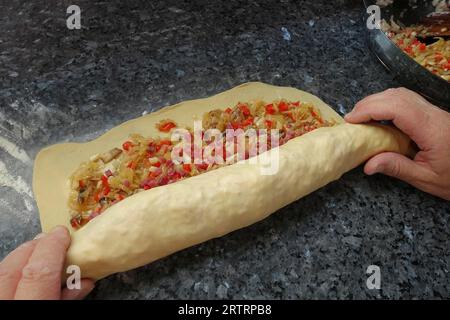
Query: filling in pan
{"x": 426, "y": 42}
{"x": 435, "y": 56}
{"x": 142, "y": 163}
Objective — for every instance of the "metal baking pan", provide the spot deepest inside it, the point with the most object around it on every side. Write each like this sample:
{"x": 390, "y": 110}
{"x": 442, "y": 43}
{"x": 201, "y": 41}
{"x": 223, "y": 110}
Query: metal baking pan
{"x": 406, "y": 71}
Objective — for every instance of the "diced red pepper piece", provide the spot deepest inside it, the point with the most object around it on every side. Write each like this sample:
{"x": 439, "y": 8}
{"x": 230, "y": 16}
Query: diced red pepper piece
{"x": 282, "y": 106}
{"x": 202, "y": 166}
{"x": 245, "y": 110}
{"x": 228, "y": 110}
{"x": 75, "y": 223}
{"x": 269, "y": 124}
{"x": 270, "y": 109}
{"x": 236, "y": 125}
{"x": 187, "y": 167}
{"x": 247, "y": 122}
{"x": 422, "y": 47}
{"x": 81, "y": 184}
{"x": 105, "y": 182}
{"x": 127, "y": 145}
{"x": 157, "y": 164}
{"x": 166, "y": 126}
{"x": 165, "y": 142}
{"x": 296, "y": 103}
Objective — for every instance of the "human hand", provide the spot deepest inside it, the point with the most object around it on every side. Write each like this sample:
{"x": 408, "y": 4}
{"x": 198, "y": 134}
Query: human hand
{"x": 427, "y": 125}
{"x": 33, "y": 270}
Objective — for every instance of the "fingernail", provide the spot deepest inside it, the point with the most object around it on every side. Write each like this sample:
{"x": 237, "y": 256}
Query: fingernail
{"x": 369, "y": 170}
{"x": 38, "y": 236}
{"x": 379, "y": 168}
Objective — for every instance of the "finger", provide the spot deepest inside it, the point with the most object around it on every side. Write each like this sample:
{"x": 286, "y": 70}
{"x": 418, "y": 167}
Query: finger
{"x": 386, "y": 105}
{"x": 11, "y": 269}
{"x": 86, "y": 286}
{"x": 41, "y": 277}
{"x": 397, "y": 166}
{"x": 403, "y": 92}
{"x": 408, "y": 111}
{"x": 367, "y": 99}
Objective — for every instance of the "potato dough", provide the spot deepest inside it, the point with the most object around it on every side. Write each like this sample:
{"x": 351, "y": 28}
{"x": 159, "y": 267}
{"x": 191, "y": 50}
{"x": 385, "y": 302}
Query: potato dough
{"x": 155, "y": 223}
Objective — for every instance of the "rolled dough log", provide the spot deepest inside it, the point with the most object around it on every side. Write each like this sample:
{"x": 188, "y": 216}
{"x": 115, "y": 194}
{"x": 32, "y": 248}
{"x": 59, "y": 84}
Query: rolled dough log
{"x": 158, "y": 222}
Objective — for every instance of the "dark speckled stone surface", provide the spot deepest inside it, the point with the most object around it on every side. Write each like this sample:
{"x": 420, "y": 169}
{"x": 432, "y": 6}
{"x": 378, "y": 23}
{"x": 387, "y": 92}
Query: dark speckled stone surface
{"x": 135, "y": 56}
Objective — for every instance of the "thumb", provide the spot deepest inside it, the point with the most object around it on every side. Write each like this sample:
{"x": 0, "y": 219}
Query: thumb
{"x": 395, "y": 165}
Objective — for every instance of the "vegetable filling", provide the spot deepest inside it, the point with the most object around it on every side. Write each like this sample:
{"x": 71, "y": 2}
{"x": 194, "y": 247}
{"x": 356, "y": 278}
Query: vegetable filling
{"x": 145, "y": 163}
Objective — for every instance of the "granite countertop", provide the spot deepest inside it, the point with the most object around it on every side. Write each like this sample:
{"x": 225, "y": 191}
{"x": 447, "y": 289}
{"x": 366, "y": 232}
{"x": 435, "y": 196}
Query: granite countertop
{"x": 132, "y": 57}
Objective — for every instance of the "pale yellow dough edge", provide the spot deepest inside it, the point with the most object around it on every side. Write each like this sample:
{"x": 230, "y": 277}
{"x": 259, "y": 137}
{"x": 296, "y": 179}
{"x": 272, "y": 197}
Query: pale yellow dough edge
{"x": 155, "y": 223}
